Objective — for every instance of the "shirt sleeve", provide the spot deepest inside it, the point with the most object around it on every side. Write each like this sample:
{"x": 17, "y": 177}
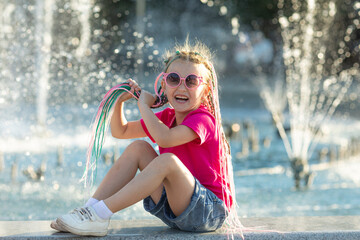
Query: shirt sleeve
{"x": 203, "y": 124}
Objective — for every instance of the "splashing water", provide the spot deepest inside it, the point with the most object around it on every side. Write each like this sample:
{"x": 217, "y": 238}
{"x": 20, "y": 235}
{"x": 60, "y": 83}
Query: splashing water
{"x": 313, "y": 95}
{"x": 44, "y": 19}
{"x": 311, "y": 91}
{"x": 75, "y": 71}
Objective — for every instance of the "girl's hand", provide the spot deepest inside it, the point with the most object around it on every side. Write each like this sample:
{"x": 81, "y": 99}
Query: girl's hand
{"x": 146, "y": 98}
{"x": 134, "y": 88}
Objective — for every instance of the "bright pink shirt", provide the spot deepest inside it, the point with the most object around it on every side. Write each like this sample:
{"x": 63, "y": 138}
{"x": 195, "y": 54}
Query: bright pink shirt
{"x": 201, "y": 156}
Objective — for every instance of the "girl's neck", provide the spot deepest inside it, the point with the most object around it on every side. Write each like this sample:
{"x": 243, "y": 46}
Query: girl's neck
{"x": 180, "y": 116}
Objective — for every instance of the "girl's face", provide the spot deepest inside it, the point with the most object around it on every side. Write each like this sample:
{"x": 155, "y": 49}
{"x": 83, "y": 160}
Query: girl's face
{"x": 182, "y": 99}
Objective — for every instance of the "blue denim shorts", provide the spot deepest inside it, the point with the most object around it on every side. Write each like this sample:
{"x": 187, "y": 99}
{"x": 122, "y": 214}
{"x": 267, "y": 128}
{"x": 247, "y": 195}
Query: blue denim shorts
{"x": 205, "y": 213}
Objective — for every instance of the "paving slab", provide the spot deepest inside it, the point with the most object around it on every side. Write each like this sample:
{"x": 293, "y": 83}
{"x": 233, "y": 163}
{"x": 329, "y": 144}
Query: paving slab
{"x": 314, "y": 228}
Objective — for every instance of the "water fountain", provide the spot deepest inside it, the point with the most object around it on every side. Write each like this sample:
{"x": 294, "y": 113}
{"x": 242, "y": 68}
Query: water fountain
{"x": 55, "y": 65}
{"x": 43, "y": 42}
{"x": 28, "y": 36}
{"x": 307, "y": 74}
{"x": 313, "y": 92}
{"x": 84, "y": 61}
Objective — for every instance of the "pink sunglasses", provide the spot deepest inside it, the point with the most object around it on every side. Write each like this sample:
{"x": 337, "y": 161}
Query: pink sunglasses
{"x": 173, "y": 80}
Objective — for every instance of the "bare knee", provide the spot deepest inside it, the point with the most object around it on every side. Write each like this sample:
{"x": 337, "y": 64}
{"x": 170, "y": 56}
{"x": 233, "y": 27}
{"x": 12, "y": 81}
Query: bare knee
{"x": 138, "y": 151}
{"x": 169, "y": 162}
{"x": 139, "y": 146}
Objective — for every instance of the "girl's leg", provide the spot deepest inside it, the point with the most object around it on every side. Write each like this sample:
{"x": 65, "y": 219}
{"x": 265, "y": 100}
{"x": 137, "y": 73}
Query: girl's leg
{"x": 166, "y": 170}
{"x": 136, "y": 156}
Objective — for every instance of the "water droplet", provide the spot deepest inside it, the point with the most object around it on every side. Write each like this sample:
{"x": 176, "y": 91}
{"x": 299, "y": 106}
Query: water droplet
{"x": 223, "y": 10}
{"x": 56, "y": 186}
{"x": 75, "y": 41}
{"x": 96, "y": 9}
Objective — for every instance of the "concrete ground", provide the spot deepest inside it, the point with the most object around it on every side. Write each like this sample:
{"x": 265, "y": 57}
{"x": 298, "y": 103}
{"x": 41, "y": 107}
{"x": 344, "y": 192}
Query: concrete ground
{"x": 314, "y": 228}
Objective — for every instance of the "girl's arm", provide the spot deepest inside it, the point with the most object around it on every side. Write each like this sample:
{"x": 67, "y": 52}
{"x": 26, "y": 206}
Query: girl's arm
{"x": 164, "y": 136}
{"x": 120, "y": 127}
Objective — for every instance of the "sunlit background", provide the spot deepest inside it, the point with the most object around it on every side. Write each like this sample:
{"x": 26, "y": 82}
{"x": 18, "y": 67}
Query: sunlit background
{"x": 289, "y": 85}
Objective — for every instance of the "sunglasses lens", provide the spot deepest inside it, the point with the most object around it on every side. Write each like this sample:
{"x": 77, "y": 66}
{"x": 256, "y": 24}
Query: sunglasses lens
{"x": 173, "y": 79}
{"x": 192, "y": 81}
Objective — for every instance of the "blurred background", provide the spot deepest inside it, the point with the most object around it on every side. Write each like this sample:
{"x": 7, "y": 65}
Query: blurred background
{"x": 289, "y": 81}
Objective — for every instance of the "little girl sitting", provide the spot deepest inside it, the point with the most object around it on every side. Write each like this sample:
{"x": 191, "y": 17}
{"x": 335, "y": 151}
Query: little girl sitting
{"x": 189, "y": 184}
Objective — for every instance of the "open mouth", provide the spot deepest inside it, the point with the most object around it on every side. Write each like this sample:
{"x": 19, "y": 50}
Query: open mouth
{"x": 181, "y": 98}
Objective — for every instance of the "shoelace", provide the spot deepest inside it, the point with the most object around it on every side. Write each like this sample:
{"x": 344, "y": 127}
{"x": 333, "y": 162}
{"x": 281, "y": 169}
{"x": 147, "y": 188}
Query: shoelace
{"x": 83, "y": 214}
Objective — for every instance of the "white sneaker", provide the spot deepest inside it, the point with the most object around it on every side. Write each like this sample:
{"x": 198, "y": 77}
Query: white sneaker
{"x": 84, "y": 221}
{"x": 57, "y": 227}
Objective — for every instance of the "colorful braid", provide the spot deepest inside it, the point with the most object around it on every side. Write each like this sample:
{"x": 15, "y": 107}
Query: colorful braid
{"x": 103, "y": 117}
{"x": 101, "y": 125}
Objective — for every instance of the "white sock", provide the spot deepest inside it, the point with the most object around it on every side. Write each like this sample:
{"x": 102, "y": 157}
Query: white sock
{"x": 102, "y": 210}
{"x": 91, "y": 202}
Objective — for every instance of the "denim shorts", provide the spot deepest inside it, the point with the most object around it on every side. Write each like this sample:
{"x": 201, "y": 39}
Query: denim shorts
{"x": 205, "y": 213}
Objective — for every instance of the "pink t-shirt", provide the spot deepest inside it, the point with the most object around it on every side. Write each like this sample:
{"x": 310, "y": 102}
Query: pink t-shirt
{"x": 201, "y": 156}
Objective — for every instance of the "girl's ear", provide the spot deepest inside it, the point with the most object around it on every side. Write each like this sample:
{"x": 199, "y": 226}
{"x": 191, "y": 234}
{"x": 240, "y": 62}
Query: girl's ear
{"x": 205, "y": 94}
{"x": 163, "y": 85}
{"x": 207, "y": 90}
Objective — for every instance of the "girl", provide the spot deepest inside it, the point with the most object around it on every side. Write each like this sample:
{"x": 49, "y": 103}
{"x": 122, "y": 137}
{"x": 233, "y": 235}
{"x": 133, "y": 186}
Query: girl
{"x": 189, "y": 184}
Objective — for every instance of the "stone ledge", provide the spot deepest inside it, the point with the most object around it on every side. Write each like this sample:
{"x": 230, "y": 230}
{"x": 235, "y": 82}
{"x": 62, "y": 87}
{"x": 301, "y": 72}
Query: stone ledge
{"x": 314, "y": 228}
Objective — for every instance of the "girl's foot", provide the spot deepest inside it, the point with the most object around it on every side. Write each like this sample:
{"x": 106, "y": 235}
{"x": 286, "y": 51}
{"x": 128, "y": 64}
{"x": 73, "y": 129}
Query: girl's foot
{"x": 57, "y": 227}
{"x": 84, "y": 221}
